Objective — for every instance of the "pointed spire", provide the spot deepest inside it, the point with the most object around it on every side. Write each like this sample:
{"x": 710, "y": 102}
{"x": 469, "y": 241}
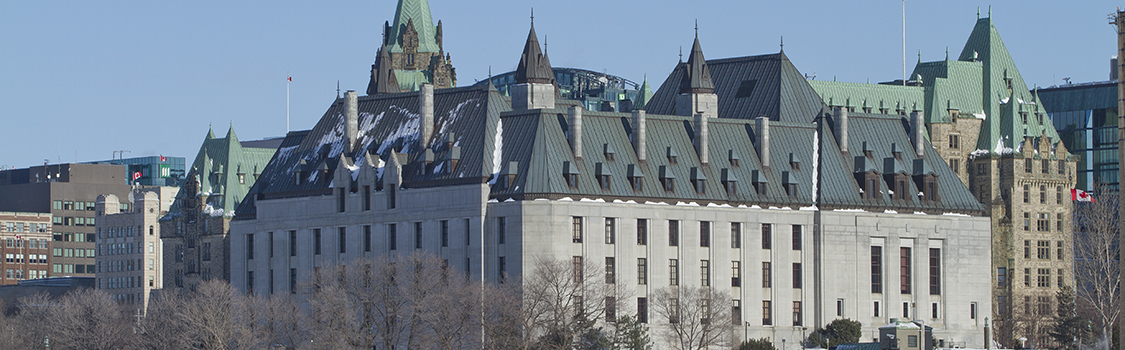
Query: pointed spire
{"x": 697, "y": 77}
{"x": 231, "y": 137}
{"x": 644, "y": 94}
{"x": 919, "y": 56}
{"x": 210, "y": 132}
{"x": 947, "y": 53}
{"x": 783, "y": 44}
{"x": 534, "y": 66}
{"x": 383, "y": 79}
{"x": 337, "y": 89}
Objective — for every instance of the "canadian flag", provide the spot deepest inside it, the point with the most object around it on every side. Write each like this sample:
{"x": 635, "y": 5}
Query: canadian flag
{"x": 136, "y": 175}
{"x": 163, "y": 158}
{"x": 1080, "y": 195}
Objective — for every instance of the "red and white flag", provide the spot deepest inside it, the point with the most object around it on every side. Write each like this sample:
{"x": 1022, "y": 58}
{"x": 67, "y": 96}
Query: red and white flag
{"x": 136, "y": 175}
{"x": 1080, "y": 195}
{"x": 163, "y": 158}
{"x": 289, "y": 78}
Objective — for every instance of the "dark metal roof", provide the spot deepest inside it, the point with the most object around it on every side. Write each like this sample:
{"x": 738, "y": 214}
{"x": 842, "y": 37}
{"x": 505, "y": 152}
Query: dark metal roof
{"x": 534, "y": 66}
{"x": 698, "y": 76}
{"x": 383, "y": 78}
{"x": 749, "y": 87}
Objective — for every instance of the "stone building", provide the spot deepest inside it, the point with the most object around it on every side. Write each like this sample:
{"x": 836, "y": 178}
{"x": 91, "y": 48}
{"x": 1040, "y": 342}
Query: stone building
{"x": 68, "y": 192}
{"x": 196, "y": 226}
{"x": 735, "y": 176}
{"x": 129, "y": 250}
{"x": 996, "y": 136}
{"x": 411, "y": 53}
{"x": 25, "y": 244}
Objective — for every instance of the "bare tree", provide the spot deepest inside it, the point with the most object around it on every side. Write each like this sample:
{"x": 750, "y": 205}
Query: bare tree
{"x": 85, "y": 319}
{"x": 563, "y": 298}
{"x": 1097, "y": 273}
{"x": 698, "y": 318}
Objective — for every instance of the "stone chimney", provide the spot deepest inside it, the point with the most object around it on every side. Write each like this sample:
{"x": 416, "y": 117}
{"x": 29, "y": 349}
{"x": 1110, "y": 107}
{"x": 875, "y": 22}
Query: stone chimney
{"x": 840, "y": 117}
{"x": 917, "y": 130}
{"x": 351, "y": 118}
{"x": 762, "y": 144}
{"x": 701, "y": 134}
{"x": 574, "y": 135}
{"x": 639, "y": 126}
{"x": 426, "y": 110}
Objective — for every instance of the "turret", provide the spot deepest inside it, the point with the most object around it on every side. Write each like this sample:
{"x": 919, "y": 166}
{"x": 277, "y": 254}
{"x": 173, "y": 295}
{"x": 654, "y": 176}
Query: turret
{"x": 535, "y": 81}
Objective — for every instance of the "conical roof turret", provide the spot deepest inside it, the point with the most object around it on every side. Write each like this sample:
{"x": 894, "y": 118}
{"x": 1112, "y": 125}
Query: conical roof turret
{"x": 383, "y": 78}
{"x": 697, "y": 78}
{"x": 534, "y": 65}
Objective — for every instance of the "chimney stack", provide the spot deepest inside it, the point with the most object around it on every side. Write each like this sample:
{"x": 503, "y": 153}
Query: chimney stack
{"x": 917, "y": 128}
{"x": 639, "y": 133}
{"x": 762, "y": 144}
{"x": 575, "y": 133}
{"x": 351, "y": 122}
{"x": 840, "y": 117}
{"x": 701, "y": 134}
{"x": 426, "y": 106}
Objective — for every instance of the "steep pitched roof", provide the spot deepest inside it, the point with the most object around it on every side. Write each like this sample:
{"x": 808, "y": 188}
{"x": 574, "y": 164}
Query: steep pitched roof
{"x": 534, "y": 66}
{"x": 225, "y": 170}
{"x": 644, "y": 94}
{"x": 698, "y": 79}
{"x": 749, "y": 87}
{"x": 417, "y": 11}
{"x": 383, "y": 78}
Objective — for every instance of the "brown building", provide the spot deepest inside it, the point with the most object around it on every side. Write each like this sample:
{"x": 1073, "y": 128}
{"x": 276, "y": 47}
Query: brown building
{"x": 26, "y": 246}
{"x": 69, "y": 193}
{"x": 411, "y": 53}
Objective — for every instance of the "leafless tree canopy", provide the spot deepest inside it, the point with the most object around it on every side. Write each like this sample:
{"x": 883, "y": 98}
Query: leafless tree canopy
{"x": 698, "y": 317}
{"x": 1097, "y": 273}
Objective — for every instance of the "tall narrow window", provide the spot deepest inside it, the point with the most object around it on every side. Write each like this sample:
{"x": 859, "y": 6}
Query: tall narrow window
{"x": 904, "y": 274}
{"x": 705, "y": 272}
{"x": 501, "y": 230}
{"x": 445, "y": 233}
{"x": 501, "y": 266}
{"x": 673, "y": 233}
{"x": 577, "y": 269}
{"x": 576, "y": 222}
{"x": 610, "y": 270}
{"x": 340, "y": 196}
{"x": 642, "y": 271}
{"x": 610, "y": 230}
{"x": 418, "y": 235}
{"x": 391, "y": 204}
{"x": 704, "y": 233}
{"x": 935, "y": 271}
{"x": 797, "y": 313}
{"x": 343, "y": 237}
{"x": 316, "y": 241}
{"x": 366, "y": 197}
{"x": 392, "y": 236}
{"x": 735, "y": 274}
{"x": 293, "y": 281}
{"x": 367, "y": 238}
{"x": 767, "y": 313}
{"x": 736, "y": 235}
{"x": 767, "y": 236}
{"x": 642, "y": 231}
{"x": 876, "y": 269}
{"x": 293, "y": 243}
{"x": 270, "y": 244}
{"x": 797, "y": 276}
{"x": 642, "y": 310}
{"x": 250, "y": 246}
{"x": 736, "y": 311}
{"x": 767, "y": 280}
{"x": 797, "y": 237}
{"x": 673, "y": 272}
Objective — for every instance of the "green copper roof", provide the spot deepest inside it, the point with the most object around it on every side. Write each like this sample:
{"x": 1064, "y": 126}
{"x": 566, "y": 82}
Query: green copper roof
{"x": 218, "y": 167}
{"x": 643, "y": 95}
{"x": 874, "y": 96}
{"x": 419, "y": 12}
{"x": 411, "y": 80}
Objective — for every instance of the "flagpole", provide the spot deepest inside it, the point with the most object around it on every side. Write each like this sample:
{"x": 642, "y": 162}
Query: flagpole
{"x": 288, "y": 79}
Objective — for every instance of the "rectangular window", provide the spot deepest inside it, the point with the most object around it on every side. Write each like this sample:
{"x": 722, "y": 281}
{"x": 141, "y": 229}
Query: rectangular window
{"x": 935, "y": 271}
{"x": 206, "y": 251}
{"x": 1027, "y": 193}
{"x": 293, "y": 281}
{"x": 1042, "y": 194}
{"x": 468, "y": 232}
{"x": 250, "y": 246}
{"x": 955, "y": 165}
{"x": 642, "y": 310}
{"x": 1046, "y": 163}
{"x": 767, "y": 279}
{"x": 797, "y": 277}
{"x": 797, "y": 237}
{"x": 1044, "y": 280}
{"x": 1059, "y": 254}
{"x": 366, "y": 197}
{"x": 839, "y": 307}
{"x": 1027, "y": 277}
{"x": 877, "y": 308}
{"x": 610, "y": 309}
{"x": 736, "y": 312}
{"x": 767, "y": 313}
{"x": 392, "y": 236}
{"x": 972, "y": 311}
{"x": 610, "y": 270}
{"x": 904, "y": 273}
{"x": 271, "y": 281}
{"x": 797, "y": 313}
{"x": 1060, "y": 275}
{"x": 610, "y": 230}
{"x": 367, "y": 238}
{"x": 418, "y": 235}
{"x": 673, "y": 233}
{"x": 250, "y": 282}
{"x": 876, "y": 269}
{"x": 1001, "y": 277}
{"x": 293, "y": 243}
{"x": 736, "y": 235}
{"x": 642, "y": 231}
{"x": 576, "y": 271}
{"x": 735, "y": 274}
{"x": 316, "y": 241}
{"x": 767, "y": 236}
{"x": 933, "y": 310}
{"x": 501, "y": 269}
{"x": 501, "y": 230}
{"x": 1044, "y": 250}
{"x": 342, "y": 232}
{"x": 1027, "y": 249}
{"x": 340, "y": 197}
{"x": 705, "y": 272}
{"x": 576, "y": 222}
{"x": 445, "y": 233}
{"x": 391, "y": 196}
{"x": 1058, "y": 195}
{"x": 1059, "y": 223}
{"x": 673, "y": 272}
{"x": 905, "y": 309}
{"x": 1027, "y": 165}
{"x": 704, "y": 233}
{"x": 642, "y": 271}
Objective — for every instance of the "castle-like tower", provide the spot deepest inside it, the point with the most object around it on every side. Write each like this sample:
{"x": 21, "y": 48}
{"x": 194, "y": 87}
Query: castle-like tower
{"x": 411, "y": 53}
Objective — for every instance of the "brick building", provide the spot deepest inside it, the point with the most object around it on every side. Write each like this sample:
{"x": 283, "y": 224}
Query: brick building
{"x": 25, "y": 245}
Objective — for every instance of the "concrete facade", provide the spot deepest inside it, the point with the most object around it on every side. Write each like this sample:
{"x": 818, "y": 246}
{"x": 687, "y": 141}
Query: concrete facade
{"x": 25, "y": 245}
{"x": 130, "y": 252}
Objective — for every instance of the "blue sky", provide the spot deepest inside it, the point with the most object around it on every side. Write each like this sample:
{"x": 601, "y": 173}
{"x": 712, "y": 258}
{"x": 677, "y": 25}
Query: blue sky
{"x": 81, "y": 79}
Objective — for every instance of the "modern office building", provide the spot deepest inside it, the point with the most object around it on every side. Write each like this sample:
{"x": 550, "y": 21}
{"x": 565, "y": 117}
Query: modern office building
{"x": 69, "y": 193}
{"x": 129, "y": 250}
{"x": 25, "y": 244}
{"x": 997, "y": 137}
{"x": 735, "y": 176}
{"x": 1085, "y": 114}
{"x": 197, "y": 223}
{"x": 152, "y": 170}
{"x": 597, "y": 91}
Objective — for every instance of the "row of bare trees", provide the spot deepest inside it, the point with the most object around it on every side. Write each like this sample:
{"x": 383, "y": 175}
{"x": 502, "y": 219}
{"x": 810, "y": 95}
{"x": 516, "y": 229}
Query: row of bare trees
{"x": 407, "y": 302}
{"x": 1097, "y": 272}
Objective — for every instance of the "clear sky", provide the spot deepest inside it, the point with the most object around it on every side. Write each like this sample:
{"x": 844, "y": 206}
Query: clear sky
{"x": 81, "y": 79}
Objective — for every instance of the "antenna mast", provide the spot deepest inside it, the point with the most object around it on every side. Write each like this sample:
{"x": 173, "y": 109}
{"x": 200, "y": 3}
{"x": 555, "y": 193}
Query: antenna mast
{"x": 903, "y": 42}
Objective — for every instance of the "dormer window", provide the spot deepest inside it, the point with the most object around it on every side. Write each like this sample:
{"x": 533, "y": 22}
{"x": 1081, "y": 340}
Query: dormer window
{"x": 789, "y": 180}
{"x": 867, "y": 177}
{"x": 758, "y": 178}
{"x": 794, "y": 162}
{"x": 733, "y": 157}
{"x": 672, "y": 156}
{"x": 926, "y": 180}
{"x": 729, "y": 182}
{"x": 895, "y": 176}
{"x": 867, "y": 151}
{"x": 1062, "y": 167}
{"x": 667, "y": 179}
{"x": 698, "y": 180}
{"x": 508, "y": 178}
{"x": 636, "y": 178}
{"x": 608, "y": 151}
{"x": 1040, "y": 117}
{"x": 1023, "y": 116}
{"x": 570, "y": 173}
{"x": 603, "y": 175}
